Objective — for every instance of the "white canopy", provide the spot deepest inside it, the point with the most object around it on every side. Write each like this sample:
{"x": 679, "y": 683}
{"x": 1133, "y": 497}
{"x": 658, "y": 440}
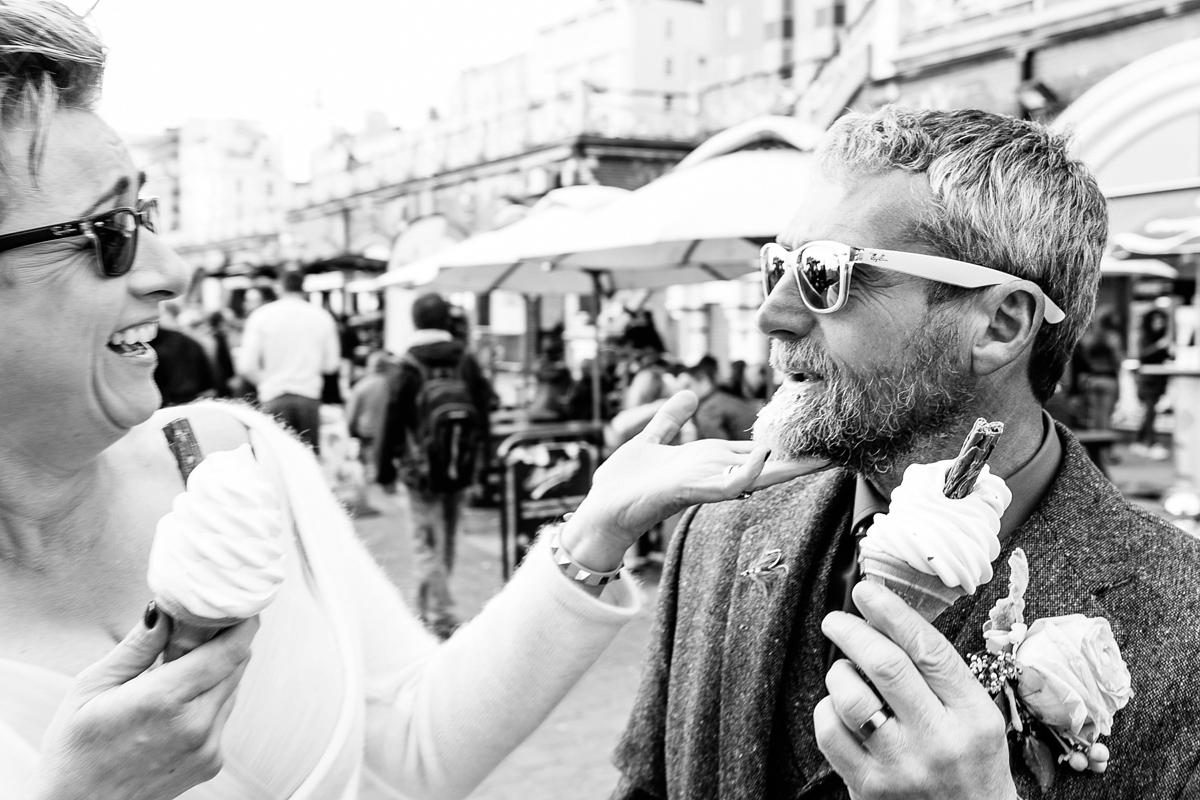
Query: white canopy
{"x": 1137, "y": 267}
{"x": 703, "y": 221}
{"x": 470, "y": 264}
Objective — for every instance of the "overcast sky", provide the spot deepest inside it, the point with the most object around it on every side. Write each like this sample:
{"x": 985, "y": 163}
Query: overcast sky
{"x": 298, "y": 65}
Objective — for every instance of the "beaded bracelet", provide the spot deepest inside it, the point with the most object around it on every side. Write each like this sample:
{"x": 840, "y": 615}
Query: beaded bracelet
{"x": 588, "y": 577}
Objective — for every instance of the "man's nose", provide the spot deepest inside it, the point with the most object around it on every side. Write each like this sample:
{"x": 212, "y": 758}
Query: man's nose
{"x": 783, "y": 314}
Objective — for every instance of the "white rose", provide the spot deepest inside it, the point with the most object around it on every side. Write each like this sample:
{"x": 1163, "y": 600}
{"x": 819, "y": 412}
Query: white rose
{"x": 1072, "y": 674}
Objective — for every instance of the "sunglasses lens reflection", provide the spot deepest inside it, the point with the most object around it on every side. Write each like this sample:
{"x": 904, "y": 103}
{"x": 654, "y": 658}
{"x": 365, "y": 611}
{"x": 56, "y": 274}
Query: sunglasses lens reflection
{"x": 773, "y": 266}
{"x": 149, "y": 211}
{"x": 820, "y": 275}
{"x": 117, "y": 239}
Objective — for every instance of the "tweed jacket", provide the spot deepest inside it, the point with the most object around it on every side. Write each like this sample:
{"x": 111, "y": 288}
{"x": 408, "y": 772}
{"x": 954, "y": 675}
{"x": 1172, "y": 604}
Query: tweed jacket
{"x": 736, "y": 664}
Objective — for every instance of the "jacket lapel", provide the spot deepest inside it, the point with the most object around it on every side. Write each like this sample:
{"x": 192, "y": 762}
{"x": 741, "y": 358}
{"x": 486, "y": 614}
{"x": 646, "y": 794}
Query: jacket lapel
{"x": 764, "y": 561}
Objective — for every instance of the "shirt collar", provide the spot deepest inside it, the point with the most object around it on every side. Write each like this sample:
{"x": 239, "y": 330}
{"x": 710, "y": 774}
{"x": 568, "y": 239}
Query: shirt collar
{"x": 1027, "y": 485}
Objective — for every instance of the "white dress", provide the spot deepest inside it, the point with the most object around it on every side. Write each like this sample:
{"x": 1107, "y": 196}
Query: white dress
{"x": 347, "y": 697}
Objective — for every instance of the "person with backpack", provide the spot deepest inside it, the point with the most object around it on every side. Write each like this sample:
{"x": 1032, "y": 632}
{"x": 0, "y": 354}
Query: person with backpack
{"x": 435, "y": 429}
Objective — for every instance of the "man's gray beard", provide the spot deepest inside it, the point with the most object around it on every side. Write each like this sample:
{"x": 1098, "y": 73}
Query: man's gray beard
{"x": 870, "y": 423}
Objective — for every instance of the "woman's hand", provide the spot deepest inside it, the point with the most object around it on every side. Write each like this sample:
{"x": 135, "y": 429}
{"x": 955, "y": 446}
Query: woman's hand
{"x": 645, "y": 481}
{"x": 127, "y": 732}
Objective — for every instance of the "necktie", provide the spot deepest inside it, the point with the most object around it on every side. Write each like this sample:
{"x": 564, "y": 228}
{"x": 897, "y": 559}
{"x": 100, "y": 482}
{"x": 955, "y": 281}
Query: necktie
{"x": 844, "y": 577}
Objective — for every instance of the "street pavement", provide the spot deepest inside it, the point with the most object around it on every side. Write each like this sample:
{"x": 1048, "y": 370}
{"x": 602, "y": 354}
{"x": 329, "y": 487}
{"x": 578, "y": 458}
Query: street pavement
{"x": 569, "y": 755}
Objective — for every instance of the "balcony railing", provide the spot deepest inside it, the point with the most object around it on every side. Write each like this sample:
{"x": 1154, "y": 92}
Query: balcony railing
{"x": 444, "y": 146}
{"x": 927, "y": 16}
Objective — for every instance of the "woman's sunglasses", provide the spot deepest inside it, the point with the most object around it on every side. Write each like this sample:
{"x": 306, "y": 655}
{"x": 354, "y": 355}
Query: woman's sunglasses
{"x": 113, "y": 233}
{"x": 823, "y": 270}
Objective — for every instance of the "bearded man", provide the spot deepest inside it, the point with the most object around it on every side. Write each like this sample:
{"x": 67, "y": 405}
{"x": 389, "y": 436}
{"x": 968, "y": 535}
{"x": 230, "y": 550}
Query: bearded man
{"x": 941, "y": 268}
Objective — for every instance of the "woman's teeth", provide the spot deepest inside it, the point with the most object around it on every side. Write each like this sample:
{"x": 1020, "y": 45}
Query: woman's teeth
{"x": 133, "y": 341}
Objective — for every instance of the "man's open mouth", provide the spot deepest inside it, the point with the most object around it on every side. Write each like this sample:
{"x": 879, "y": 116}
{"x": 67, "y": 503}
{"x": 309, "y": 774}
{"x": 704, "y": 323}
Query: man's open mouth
{"x": 134, "y": 340}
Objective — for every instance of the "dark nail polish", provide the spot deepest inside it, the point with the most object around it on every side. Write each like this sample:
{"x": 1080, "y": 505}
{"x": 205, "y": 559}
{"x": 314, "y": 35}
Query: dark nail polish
{"x": 151, "y": 615}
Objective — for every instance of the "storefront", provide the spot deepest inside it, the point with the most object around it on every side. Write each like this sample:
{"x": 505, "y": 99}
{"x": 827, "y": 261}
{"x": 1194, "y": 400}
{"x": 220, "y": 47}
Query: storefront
{"x": 1139, "y": 130}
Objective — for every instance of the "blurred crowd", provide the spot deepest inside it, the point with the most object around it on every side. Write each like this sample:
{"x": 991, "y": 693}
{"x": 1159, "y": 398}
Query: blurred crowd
{"x": 1090, "y": 390}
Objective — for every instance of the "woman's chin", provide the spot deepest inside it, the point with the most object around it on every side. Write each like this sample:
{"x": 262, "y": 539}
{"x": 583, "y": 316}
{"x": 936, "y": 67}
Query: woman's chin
{"x": 128, "y": 409}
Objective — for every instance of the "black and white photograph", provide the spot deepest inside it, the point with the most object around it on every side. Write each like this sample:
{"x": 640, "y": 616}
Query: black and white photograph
{"x": 599, "y": 399}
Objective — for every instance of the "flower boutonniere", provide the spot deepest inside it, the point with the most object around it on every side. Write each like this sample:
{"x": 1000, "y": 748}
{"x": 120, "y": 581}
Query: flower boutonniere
{"x": 1058, "y": 682}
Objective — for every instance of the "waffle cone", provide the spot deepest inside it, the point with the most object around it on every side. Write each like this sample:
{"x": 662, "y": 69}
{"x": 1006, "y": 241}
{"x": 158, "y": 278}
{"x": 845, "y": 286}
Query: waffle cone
{"x": 188, "y": 631}
{"x": 925, "y": 593}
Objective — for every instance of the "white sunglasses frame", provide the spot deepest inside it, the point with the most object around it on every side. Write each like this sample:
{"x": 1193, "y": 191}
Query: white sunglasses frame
{"x": 934, "y": 268}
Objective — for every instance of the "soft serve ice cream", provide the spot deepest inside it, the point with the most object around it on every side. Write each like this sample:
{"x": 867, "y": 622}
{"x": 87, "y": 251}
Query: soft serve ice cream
{"x": 955, "y": 540}
{"x": 217, "y": 556}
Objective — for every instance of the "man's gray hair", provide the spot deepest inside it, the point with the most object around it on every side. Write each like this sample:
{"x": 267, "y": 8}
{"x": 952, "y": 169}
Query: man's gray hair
{"x": 50, "y": 58}
{"x": 1007, "y": 194}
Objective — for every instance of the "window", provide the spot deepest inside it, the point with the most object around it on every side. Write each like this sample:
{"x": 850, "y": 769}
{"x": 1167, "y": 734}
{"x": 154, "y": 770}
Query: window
{"x": 667, "y": 102}
{"x": 667, "y": 67}
{"x": 733, "y": 21}
{"x": 668, "y": 29}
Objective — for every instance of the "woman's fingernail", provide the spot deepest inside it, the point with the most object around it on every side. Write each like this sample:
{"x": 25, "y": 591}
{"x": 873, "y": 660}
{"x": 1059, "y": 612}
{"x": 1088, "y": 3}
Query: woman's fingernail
{"x": 150, "y": 617}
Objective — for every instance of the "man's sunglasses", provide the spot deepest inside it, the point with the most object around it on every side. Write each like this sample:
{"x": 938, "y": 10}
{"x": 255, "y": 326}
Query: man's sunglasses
{"x": 113, "y": 233}
{"x": 823, "y": 270}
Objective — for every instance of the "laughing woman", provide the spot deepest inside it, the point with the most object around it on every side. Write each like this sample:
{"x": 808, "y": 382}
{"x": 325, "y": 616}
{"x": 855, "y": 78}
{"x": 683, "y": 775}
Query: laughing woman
{"x": 345, "y": 695}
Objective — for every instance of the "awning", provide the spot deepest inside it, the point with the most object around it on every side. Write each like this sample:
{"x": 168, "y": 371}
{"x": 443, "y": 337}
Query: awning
{"x": 1137, "y": 268}
{"x": 472, "y": 264}
{"x": 1156, "y": 223}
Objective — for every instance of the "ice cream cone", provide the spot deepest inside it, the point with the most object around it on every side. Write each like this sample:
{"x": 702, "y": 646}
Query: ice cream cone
{"x": 925, "y": 593}
{"x": 188, "y": 631}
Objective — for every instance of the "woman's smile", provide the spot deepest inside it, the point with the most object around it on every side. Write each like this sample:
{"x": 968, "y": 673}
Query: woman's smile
{"x": 134, "y": 341}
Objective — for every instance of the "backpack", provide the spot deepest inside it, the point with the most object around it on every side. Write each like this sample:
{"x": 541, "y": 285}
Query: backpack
{"x": 444, "y": 441}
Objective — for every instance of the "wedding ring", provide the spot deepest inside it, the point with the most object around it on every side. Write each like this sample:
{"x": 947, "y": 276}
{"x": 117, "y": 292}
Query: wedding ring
{"x": 743, "y": 495}
{"x": 874, "y": 723}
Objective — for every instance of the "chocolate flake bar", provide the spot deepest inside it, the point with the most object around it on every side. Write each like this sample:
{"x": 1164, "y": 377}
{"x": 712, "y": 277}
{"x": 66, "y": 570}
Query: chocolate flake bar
{"x": 976, "y": 450}
{"x": 182, "y": 441}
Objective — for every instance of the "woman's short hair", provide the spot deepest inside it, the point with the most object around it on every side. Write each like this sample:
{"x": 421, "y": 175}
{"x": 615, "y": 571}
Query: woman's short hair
{"x": 50, "y": 58}
{"x": 1007, "y": 194}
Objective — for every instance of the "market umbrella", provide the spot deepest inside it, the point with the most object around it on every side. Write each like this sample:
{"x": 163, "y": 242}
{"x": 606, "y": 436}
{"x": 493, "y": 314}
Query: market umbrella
{"x": 705, "y": 220}
{"x": 1163, "y": 236}
{"x": 472, "y": 264}
{"x": 478, "y": 264}
{"x": 1137, "y": 268}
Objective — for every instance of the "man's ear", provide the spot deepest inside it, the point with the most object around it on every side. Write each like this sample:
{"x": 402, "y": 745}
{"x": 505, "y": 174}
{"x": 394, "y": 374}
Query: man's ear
{"x": 1011, "y": 316}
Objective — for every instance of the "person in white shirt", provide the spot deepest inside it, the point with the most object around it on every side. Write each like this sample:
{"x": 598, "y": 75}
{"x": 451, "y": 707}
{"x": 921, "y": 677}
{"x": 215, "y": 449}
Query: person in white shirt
{"x": 288, "y": 347}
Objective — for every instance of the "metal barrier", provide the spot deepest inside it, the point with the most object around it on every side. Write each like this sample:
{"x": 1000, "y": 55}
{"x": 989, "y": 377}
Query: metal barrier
{"x": 548, "y": 470}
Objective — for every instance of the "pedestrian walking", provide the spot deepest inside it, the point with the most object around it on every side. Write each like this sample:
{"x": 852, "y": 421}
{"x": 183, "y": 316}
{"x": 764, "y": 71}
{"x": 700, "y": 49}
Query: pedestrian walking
{"x": 366, "y": 409}
{"x": 1101, "y": 352}
{"x": 288, "y": 348}
{"x": 435, "y": 428}
{"x": 1154, "y": 348}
